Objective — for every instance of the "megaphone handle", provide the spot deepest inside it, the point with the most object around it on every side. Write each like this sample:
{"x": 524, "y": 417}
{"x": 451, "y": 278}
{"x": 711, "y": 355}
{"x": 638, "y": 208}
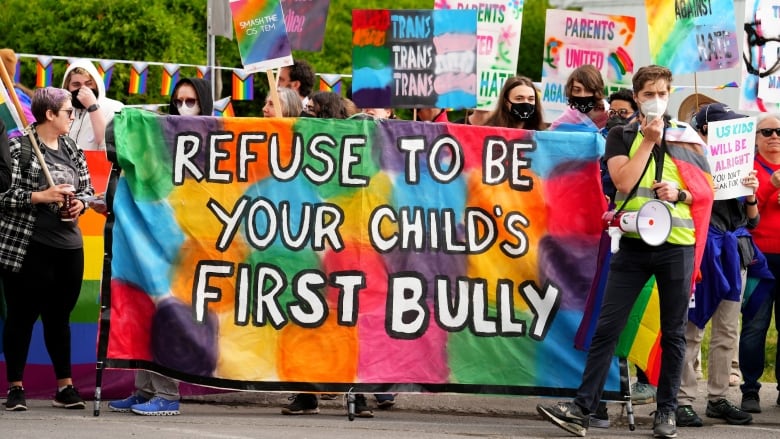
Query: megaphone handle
{"x": 615, "y": 234}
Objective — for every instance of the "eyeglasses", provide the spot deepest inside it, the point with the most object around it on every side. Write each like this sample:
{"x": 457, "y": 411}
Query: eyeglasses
{"x": 623, "y": 113}
{"x": 69, "y": 111}
{"x": 189, "y": 102}
{"x": 767, "y": 132}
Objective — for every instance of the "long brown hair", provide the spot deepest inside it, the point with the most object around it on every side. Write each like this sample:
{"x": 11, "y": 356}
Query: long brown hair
{"x": 501, "y": 117}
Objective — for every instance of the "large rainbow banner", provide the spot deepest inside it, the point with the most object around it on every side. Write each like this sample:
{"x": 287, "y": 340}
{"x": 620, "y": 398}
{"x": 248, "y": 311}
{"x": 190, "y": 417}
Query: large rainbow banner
{"x": 317, "y": 255}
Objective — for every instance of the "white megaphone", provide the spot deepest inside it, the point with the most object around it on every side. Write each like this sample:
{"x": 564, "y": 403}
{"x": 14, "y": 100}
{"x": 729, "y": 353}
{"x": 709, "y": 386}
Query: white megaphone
{"x": 653, "y": 223}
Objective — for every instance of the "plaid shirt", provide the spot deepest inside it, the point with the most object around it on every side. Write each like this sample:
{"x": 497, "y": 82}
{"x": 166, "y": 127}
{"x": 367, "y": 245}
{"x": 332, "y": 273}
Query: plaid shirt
{"x": 17, "y": 213}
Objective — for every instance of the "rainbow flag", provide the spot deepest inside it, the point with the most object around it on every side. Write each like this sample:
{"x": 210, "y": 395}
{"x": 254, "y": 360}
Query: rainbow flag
{"x": 8, "y": 114}
{"x": 330, "y": 82}
{"x": 224, "y": 107}
{"x": 345, "y": 262}
{"x": 243, "y": 85}
{"x": 138, "y": 73}
{"x": 170, "y": 76}
{"x": 106, "y": 70}
{"x": 43, "y": 71}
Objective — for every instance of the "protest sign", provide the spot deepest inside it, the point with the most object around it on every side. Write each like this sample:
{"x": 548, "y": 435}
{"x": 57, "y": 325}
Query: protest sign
{"x": 309, "y": 254}
{"x": 498, "y": 44}
{"x": 414, "y": 58}
{"x": 305, "y": 22}
{"x": 261, "y": 34}
{"x": 573, "y": 39}
{"x": 760, "y": 76}
{"x": 730, "y": 152}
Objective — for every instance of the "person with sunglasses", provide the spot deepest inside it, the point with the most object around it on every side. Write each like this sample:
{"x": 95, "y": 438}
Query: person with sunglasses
{"x": 755, "y": 325}
{"x": 93, "y": 109}
{"x": 41, "y": 245}
{"x": 158, "y": 395}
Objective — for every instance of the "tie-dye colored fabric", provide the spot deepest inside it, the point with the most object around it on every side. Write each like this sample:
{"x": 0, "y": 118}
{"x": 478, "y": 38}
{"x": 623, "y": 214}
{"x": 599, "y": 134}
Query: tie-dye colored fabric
{"x": 433, "y": 267}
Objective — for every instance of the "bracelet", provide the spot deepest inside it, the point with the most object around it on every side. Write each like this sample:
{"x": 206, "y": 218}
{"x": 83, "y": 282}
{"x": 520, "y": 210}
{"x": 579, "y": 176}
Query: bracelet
{"x": 755, "y": 201}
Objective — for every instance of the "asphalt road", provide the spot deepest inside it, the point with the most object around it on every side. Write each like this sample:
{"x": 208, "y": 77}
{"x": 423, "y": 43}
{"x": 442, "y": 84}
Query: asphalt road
{"x": 257, "y": 415}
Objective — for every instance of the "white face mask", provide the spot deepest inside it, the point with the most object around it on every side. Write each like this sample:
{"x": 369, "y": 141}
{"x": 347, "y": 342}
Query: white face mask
{"x": 653, "y": 108}
{"x": 189, "y": 111}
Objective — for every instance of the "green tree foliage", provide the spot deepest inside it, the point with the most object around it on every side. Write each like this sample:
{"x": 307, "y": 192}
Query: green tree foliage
{"x": 174, "y": 31}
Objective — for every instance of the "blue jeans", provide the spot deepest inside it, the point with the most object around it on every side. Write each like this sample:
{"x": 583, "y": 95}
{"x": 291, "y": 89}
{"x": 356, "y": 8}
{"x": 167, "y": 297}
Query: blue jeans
{"x": 752, "y": 340}
{"x": 629, "y": 270}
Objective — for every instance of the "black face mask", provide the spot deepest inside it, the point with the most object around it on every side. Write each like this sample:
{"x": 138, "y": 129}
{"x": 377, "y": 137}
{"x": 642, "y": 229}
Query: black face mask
{"x": 76, "y": 102}
{"x": 583, "y": 104}
{"x": 615, "y": 121}
{"x": 522, "y": 110}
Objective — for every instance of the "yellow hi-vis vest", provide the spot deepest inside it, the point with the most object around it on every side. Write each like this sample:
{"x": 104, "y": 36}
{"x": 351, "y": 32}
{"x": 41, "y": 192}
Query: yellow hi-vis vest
{"x": 682, "y": 222}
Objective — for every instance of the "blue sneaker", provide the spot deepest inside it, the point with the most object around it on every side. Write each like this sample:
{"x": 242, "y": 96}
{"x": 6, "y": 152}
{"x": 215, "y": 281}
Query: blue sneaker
{"x": 124, "y": 405}
{"x": 156, "y": 407}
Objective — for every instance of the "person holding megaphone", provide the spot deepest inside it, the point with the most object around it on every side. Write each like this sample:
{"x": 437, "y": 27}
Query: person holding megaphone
{"x": 653, "y": 158}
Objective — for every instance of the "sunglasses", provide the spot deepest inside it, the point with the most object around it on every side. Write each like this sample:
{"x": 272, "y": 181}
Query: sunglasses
{"x": 69, "y": 111}
{"x": 767, "y": 132}
{"x": 622, "y": 113}
{"x": 189, "y": 102}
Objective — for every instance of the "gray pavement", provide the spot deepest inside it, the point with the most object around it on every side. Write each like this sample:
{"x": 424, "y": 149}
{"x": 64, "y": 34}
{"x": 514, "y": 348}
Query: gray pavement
{"x": 428, "y": 416}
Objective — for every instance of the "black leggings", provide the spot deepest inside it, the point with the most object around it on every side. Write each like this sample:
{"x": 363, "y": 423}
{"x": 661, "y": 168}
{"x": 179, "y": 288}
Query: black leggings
{"x": 48, "y": 287}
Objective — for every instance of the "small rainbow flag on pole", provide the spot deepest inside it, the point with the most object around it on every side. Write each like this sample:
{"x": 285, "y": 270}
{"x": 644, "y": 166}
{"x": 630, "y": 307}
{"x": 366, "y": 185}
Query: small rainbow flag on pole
{"x": 106, "y": 69}
{"x": 43, "y": 71}
{"x": 138, "y": 73}
{"x": 330, "y": 82}
{"x": 203, "y": 73}
{"x": 170, "y": 77}
{"x": 17, "y": 74}
{"x": 224, "y": 108}
{"x": 243, "y": 86}
{"x": 8, "y": 114}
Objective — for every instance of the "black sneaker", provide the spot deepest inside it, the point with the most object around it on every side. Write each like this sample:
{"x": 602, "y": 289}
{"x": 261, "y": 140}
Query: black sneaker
{"x": 600, "y": 419}
{"x": 724, "y": 409}
{"x": 15, "y": 401}
{"x": 665, "y": 424}
{"x": 361, "y": 407}
{"x": 302, "y": 404}
{"x": 566, "y": 415}
{"x": 751, "y": 403}
{"x": 687, "y": 417}
{"x": 68, "y": 398}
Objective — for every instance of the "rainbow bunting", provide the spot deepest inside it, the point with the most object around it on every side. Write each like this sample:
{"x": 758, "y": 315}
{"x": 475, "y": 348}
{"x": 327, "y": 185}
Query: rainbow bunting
{"x": 43, "y": 71}
{"x": 330, "y": 82}
{"x": 138, "y": 74}
{"x": 170, "y": 77}
{"x": 243, "y": 85}
{"x": 224, "y": 108}
{"x": 203, "y": 73}
{"x": 106, "y": 69}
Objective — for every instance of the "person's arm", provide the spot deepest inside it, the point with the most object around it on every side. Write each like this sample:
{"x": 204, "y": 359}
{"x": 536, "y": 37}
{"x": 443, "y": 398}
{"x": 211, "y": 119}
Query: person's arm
{"x": 626, "y": 171}
{"x": 95, "y": 113}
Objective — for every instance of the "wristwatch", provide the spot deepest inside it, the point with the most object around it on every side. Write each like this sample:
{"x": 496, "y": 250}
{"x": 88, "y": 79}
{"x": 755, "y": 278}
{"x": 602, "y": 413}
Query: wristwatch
{"x": 92, "y": 108}
{"x": 681, "y": 196}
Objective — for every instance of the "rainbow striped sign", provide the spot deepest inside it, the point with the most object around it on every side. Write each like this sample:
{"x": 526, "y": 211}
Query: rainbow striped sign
{"x": 261, "y": 34}
{"x": 690, "y": 37}
{"x": 317, "y": 255}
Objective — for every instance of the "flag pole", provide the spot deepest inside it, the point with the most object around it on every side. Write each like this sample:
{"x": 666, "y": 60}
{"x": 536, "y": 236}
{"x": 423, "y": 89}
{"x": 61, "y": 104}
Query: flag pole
{"x": 274, "y": 93}
{"x": 9, "y": 87}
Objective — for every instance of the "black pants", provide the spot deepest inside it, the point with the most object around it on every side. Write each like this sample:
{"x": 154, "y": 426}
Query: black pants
{"x": 48, "y": 287}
